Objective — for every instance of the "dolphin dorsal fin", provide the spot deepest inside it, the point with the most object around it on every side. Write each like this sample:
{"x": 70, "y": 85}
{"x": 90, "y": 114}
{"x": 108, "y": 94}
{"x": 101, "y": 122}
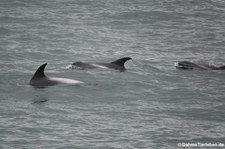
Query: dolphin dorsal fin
{"x": 40, "y": 72}
{"x": 121, "y": 62}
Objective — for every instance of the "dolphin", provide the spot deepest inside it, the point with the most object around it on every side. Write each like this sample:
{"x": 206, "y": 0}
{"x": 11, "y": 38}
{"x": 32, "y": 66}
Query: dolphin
{"x": 192, "y": 65}
{"x": 39, "y": 79}
{"x": 117, "y": 64}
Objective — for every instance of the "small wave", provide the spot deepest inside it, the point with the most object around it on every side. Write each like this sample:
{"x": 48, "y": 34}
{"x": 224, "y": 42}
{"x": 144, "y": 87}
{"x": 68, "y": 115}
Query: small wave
{"x": 39, "y": 99}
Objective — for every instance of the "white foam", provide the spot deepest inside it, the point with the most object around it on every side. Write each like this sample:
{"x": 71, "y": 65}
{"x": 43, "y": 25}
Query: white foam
{"x": 176, "y": 64}
{"x": 73, "y": 67}
{"x": 69, "y": 66}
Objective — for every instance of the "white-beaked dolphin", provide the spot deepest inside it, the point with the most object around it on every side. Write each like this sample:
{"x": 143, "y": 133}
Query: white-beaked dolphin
{"x": 39, "y": 79}
{"x": 192, "y": 65}
{"x": 118, "y": 64}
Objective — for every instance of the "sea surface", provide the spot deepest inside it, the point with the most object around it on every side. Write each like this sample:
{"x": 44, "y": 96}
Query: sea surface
{"x": 152, "y": 105}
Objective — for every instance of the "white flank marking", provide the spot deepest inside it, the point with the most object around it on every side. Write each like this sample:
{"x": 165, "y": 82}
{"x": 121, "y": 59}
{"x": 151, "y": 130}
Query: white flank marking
{"x": 99, "y": 66}
{"x": 66, "y": 81}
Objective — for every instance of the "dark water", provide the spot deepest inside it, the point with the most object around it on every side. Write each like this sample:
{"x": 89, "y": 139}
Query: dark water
{"x": 151, "y": 105}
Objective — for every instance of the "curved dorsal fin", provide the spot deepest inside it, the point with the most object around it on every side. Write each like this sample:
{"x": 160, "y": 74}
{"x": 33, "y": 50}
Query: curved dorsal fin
{"x": 40, "y": 72}
{"x": 120, "y": 62}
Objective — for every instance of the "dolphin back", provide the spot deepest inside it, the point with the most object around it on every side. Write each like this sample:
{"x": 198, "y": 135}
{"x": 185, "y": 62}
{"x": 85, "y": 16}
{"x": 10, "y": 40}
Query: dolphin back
{"x": 222, "y": 67}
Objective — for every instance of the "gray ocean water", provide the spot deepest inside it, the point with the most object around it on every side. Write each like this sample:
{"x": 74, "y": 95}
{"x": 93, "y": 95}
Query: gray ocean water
{"x": 151, "y": 105}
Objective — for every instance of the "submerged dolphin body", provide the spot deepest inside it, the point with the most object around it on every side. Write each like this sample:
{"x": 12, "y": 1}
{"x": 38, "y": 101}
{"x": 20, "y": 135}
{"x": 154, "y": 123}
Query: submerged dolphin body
{"x": 192, "y": 65}
{"x": 39, "y": 79}
{"x": 118, "y": 64}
